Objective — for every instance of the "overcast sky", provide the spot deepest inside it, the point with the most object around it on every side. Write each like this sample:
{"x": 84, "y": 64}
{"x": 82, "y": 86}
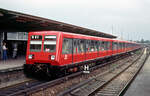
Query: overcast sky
{"x": 128, "y": 18}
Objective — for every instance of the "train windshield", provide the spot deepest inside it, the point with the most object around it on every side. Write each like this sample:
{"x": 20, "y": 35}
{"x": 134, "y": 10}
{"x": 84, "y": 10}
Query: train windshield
{"x": 35, "y": 43}
{"x": 50, "y": 43}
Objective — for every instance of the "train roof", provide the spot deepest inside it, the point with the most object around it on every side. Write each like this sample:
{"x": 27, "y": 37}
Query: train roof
{"x": 80, "y": 35}
{"x": 15, "y": 21}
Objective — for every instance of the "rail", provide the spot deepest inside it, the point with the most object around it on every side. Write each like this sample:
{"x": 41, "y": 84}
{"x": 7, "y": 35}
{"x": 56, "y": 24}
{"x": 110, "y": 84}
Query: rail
{"x": 100, "y": 82}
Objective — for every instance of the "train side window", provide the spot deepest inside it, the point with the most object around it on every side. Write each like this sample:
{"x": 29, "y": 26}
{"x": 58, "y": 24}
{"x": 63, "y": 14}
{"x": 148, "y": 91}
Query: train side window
{"x": 105, "y": 45}
{"x": 92, "y": 49}
{"x": 122, "y": 45}
{"x": 97, "y": 45}
{"x": 87, "y": 45}
{"x": 81, "y": 47}
{"x": 115, "y": 45}
{"x": 94, "y": 46}
{"x": 102, "y": 46}
{"x": 78, "y": 45}
{"x": 67, "y": 46}
{"x": 112, "y": 45}
{"x": 119, "y": 45}
{"x": 84, "y": 46}
{"x": 75, "y": 46}
{"x": 108, "y": 45}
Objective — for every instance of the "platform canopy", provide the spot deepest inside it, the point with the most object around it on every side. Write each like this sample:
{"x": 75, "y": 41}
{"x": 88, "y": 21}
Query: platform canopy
{"x": 15, "y": 21}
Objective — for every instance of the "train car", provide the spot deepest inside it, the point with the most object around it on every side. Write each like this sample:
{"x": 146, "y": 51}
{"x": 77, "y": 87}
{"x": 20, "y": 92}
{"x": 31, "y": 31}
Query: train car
{"x": 55, "y": 52}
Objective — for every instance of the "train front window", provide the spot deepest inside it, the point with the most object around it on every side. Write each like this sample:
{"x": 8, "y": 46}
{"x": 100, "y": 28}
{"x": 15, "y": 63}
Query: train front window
{"x": 50, "y": 43}
{"x": 35, "y": 43}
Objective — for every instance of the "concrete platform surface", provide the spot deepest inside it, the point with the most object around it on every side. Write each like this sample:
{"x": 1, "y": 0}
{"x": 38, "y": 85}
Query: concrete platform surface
{"x": 141, "y": 85}
{"x": 12, "y": 63}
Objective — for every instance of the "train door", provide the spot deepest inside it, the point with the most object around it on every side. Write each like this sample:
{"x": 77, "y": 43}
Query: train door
{"x": 108, "y": 48}
{"x": 97, "y": 46}
{"x": 96, "y": 49}
{"x": 75, "y": 50}
{"x": 111, "y": 47}
{"x": 87, "y": 53}
{"x": 67, "y": 57}
{"x": 119, "y": 47}
{"x": 78, "y": 50}
{"x": 91, "y": 50}
{"x": 99, "y": 49}
{"x": 103, "y": 51}
{"x": 124, "y": 47}
{"x": 115, "y": 47}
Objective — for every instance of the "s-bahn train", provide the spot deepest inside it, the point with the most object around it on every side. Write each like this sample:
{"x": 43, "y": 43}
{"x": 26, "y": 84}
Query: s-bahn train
{"x": 55, "y": 52}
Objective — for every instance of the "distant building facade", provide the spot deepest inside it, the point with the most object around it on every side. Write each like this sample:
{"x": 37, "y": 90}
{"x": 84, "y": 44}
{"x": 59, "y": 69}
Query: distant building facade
{"x": 17, "y": 36}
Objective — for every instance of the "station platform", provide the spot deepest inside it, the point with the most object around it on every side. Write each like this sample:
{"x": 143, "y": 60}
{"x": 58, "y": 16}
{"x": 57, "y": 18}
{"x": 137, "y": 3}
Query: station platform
{"x": 10, "y": 64}
{"x": 141, "y": 85}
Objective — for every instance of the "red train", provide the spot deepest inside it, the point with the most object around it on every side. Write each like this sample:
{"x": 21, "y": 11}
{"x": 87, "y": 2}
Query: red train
{"x": 55, "y": 52}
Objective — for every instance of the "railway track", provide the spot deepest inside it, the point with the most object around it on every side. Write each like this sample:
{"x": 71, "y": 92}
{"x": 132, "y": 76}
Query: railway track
{"x": 31, "y": 86}
{"x": 12, "y": 90}
{"x": 52, "y": 87}
{"x": 110, "y": 83}
{"x": 116, "y": 86}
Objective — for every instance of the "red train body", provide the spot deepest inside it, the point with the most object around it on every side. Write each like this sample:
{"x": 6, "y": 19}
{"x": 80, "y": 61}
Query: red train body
{"x": 54, "y": 51}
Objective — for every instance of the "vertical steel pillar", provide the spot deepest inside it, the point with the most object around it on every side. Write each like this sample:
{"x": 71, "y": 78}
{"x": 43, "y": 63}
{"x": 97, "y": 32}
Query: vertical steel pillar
{"x": 1, "y": 43}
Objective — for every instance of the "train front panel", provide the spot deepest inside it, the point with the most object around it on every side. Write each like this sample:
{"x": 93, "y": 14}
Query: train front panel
{"x": 43, "y": 50}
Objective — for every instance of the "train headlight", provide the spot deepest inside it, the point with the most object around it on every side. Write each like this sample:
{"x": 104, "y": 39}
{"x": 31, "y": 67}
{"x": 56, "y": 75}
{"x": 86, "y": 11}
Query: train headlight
{"x": 30, "y": 56}
{"x": 53, "y": 57}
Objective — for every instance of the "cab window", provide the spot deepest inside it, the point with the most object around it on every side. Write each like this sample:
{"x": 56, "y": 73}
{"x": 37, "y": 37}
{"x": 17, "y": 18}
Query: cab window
{"x": 35, "y": 43}
{"x": 50, "y": 43}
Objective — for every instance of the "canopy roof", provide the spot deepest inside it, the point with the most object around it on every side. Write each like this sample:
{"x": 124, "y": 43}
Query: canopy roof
{"x": 15, "y": 21}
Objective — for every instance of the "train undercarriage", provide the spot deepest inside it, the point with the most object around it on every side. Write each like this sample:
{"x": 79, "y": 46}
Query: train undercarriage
{"x": 46, "y": 70}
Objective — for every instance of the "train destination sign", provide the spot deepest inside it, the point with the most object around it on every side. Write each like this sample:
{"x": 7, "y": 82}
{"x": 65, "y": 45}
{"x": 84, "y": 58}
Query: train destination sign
{"x": 36, "y": 37}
